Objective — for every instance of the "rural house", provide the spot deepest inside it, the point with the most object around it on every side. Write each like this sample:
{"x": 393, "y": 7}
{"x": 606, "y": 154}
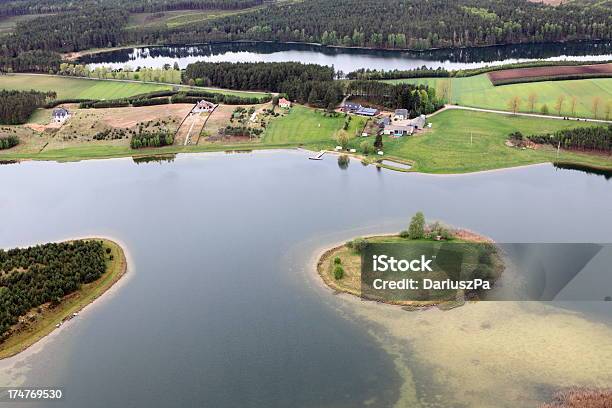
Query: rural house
{"x": 60, "y": 115}
{"x": 396, "y": 130}
{"x": 284, "y": 103}
{"x": 400, "y": 114}
{"x": 203, "y": 106}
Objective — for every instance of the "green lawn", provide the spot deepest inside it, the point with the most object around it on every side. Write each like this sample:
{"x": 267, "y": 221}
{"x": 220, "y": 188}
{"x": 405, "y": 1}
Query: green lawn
{"x": 77, "y": 87}
{"x": 477, "y": 91}
{"x": 446, "y": 147}
{"x": 307, "y": 126}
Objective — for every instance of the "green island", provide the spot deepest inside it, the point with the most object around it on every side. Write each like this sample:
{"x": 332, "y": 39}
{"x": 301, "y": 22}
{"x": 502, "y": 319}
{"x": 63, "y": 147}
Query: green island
{"x": 41, "y": 287}
{"x": 340, "y": 267}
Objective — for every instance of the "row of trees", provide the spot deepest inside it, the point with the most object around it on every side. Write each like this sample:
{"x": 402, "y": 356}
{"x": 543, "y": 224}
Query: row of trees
{"x": 33, "y": 276}
{"x": 323, "y": 94}
{"x": 563, "y": 105}
{"x": 375, "y": 74}
{"x": 17, "y": 106}
{"x": 418, "y": 99}
{"x": 266, "y": 76}
{"x": 419, "y": 24}
{"x": 596, "y": 138}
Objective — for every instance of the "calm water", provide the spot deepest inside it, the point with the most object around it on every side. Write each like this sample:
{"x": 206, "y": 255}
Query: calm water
{"x": 220, "y": 308}
{"x": 348, "y": 60}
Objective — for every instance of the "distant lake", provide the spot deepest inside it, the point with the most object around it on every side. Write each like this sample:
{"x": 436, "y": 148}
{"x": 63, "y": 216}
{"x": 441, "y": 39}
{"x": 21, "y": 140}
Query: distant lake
{"x": 221, "y": 306}
{"x": 346, "y": 59}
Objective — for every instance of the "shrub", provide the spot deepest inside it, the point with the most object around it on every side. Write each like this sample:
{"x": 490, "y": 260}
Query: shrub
{"x": 337, "y": 260}
{"x": 338, "y": 272}
{"x": 359, "y": 244}
{"x": 404, "y": 234}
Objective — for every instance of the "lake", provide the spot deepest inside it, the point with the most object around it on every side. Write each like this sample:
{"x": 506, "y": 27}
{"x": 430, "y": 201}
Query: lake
{"x": 221, "y": 306}
{"x": 347, "y": 59}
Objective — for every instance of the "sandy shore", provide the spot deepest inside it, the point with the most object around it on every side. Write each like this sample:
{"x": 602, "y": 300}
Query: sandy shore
{"x": 9, "y": 364}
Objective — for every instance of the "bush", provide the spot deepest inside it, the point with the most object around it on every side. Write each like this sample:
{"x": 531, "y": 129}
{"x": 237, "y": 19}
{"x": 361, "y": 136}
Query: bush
{"x": 358, "y": 244}
{"x": 338, "y": 272}
{"x": 366, "y": 148}
{"x": 337, "y": 260}
{"x": 8, "y": 142}
{"x": 404, "y": 234}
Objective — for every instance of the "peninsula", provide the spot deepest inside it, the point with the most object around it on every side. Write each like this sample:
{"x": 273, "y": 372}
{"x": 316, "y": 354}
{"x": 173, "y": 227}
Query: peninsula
{"x": 46, "y": 285}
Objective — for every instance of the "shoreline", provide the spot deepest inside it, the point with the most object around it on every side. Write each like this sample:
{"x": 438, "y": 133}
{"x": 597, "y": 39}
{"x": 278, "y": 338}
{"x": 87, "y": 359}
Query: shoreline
{"x": 34, "y": 344}
{"x": 255, "y": 148}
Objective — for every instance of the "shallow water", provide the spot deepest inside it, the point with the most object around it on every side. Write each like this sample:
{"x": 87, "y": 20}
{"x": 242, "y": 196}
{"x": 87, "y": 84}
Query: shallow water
{"x": 222, "y": 307}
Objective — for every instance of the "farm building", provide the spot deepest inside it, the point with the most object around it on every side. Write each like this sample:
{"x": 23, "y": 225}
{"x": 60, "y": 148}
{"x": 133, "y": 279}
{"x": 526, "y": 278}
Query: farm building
{"x": 284, "y": 103}
{"x": 400, "y": 114}
{"x": 363, "y": 111}
{"x": 350, "y": 107}
{"x": 396, "y": 130}
{"x": 60, "y": 115}
{"x": 419, "y": 122}
{"x": 203, "y": 106}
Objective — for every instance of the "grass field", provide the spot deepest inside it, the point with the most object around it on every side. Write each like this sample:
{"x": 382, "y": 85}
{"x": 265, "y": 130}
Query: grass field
{"x": 50, "y": 317}
{"x": 77, "y": 87}
{"x": 477, "y": 91}
{"x": 177, "y": 18}
{"x": 446, "y": 147}
{"x": 307, "y": 126}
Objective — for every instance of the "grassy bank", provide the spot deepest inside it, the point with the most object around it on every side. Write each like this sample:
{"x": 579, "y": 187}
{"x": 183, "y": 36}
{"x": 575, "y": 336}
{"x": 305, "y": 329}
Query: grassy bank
{"x": 47, "y": 320}
{"x": 478, "y": 91}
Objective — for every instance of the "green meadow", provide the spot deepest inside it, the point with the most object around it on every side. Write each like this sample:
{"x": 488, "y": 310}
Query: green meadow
{"x": 307, "y": 126}
{"x": 69, "y": 88}
{"x": 463, "y": 141}
{"x": 477, "y": 91}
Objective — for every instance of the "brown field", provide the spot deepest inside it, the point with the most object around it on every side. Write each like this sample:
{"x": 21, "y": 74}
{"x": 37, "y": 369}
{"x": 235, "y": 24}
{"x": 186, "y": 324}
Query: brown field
{"x": 549, "y": 72}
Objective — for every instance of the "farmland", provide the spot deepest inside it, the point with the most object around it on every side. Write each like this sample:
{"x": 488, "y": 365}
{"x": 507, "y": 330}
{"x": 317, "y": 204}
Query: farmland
{"x": 533, "y": 74}
{"x": 478, "y": 91}
{"x": 69, "y": 88}
{"x": 478, "y": 143}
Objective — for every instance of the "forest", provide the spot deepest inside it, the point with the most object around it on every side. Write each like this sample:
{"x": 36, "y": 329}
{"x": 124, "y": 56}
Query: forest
{"x": 263, "y": 76}
{"x": 596, "y": 138}
{"x": 418, "y": 100}
{"x": 419, "y": 24}
{"x": 17, "y": 106}
{"x": 33, "y": 276}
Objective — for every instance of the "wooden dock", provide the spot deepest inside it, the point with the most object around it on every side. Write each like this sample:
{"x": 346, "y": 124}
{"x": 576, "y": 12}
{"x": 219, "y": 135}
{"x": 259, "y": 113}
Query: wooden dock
{"x": 318, "y": 156}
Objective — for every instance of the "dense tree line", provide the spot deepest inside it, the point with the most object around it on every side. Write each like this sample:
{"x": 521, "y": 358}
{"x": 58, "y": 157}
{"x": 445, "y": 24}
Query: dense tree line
{"x": 596, "y": 138}
{"x": 151, "y": 139}
{"x": 6, "y": 142}
{"x": 266, "y": 76}
{"x": 17, "y": 106}
{"x": 323, "y": 94}
{"x": 33, "y": 276}
{"x": 30, "y": 61}
{"x": 418, "y": 100}
{"x": 418, "y": 24}
{"x": 374, "y": 74}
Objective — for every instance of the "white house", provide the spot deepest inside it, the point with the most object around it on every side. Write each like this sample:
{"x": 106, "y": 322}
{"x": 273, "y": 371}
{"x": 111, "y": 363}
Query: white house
{"x": 284, "y": 103}
{"x": 397, "y": 130}
{"x": 60, "y": 115}
{"x": 203, "y": 106}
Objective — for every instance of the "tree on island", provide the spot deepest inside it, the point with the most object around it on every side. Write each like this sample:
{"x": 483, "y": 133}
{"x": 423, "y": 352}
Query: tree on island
{"x": 416, "y": 230}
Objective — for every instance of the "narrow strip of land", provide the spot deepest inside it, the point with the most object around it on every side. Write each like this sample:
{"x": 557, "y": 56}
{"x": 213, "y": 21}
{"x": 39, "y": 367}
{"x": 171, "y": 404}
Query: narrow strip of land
{"x": 533, "y": 115}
